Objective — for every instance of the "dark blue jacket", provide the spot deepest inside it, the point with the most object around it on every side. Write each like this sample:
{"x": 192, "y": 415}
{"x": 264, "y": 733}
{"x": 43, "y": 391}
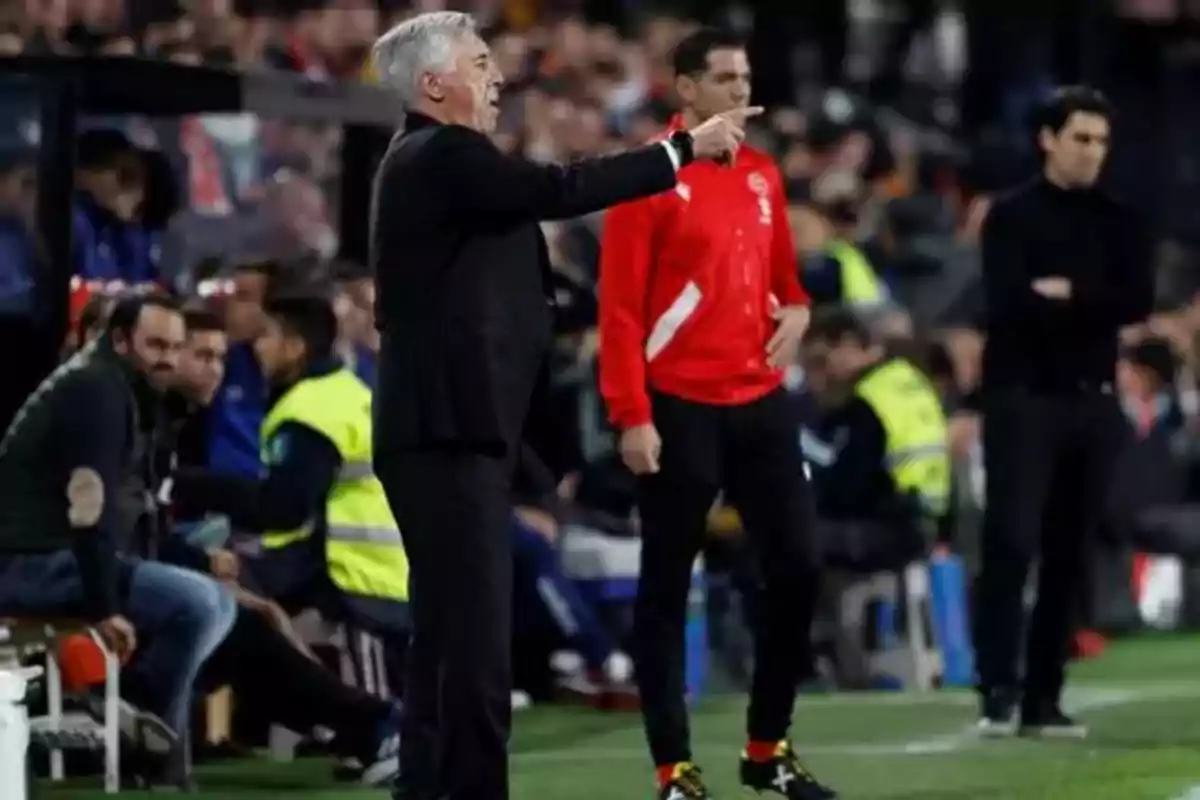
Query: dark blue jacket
{"x": 822, "y": 278}
{"x": 107, "y": 249}
{"x": 364, "y": 365}
{"x": 16, "y": 268}
{"x": 237, "y": 414}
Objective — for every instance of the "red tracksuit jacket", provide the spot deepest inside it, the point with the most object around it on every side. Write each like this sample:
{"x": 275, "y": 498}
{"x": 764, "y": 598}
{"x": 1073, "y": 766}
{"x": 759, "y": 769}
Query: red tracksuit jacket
{"x": 688, "y": 281}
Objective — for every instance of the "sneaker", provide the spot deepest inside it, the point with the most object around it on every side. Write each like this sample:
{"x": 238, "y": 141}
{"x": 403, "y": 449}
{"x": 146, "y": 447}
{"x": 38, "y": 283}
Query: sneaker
{"x": 997, "y": 714}
{"x": 608, "y": 686}
{"x": 685, "y": 784}
{"x": 1049, "y": 722}
{"x": 381, "y": 762}
{"x": 142, "y": 729}
{"x": 783, "y": 775}
{"x": 618, "y": 669}
{"x": 384, "y": 768}
{"x": 566, "y": 662}
{"x": 347, "y": 770}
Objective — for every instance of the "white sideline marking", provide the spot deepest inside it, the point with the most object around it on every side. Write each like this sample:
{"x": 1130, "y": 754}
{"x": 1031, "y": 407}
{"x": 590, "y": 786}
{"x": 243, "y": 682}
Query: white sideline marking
{"x": 1077, "y": 700}
{"x": 1190, "y": 794}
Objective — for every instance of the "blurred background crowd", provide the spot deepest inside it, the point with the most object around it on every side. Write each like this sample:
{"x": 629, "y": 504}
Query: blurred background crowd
{"x": 893, "y": 121}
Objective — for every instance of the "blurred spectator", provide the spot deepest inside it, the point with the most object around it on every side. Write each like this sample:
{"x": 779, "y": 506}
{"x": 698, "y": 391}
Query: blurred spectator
{"x": 201, "y": 374}
{"x": 17, "y": 258}
{"x": 878, "y": 449}
{"x": 354, "y": 304}
{"x": 1145, "y": 379}
{"x": 111, "y": 244}
{"x": 837, "y": 271}
{"x": 240, "y": 406}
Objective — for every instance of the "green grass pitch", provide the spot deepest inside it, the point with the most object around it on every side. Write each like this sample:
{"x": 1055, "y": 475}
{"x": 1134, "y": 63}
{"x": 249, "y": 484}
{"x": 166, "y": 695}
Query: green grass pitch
{"x": 1142, "y": 701}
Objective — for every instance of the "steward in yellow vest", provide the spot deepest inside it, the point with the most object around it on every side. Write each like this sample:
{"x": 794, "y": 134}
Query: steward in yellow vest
{"x": 879, "y": 451}
{"x": 836, "y": 271}
{"x": 860, "y": 287}
{"x": 323, "y": 516}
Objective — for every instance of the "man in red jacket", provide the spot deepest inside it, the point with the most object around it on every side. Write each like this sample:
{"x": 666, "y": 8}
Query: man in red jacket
{"x": 700, "y": 307}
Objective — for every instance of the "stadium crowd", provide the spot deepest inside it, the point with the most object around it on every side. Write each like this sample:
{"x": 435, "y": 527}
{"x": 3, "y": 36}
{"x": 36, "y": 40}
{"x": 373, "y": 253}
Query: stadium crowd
{"x": 888, "y": 183}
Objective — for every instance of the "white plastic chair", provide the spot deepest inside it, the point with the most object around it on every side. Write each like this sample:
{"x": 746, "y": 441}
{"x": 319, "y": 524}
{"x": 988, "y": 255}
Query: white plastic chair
{"x": 916, "y": 659}
{"x": 31, "y": 635}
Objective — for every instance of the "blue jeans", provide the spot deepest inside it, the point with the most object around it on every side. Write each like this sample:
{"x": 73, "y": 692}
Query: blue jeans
{"x": 180, "y": 617}
{"x": 537, "y": 560}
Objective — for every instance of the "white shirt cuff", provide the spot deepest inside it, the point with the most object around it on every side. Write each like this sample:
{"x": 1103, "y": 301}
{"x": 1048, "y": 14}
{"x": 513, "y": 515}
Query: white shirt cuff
{"x": 674, "y": 154}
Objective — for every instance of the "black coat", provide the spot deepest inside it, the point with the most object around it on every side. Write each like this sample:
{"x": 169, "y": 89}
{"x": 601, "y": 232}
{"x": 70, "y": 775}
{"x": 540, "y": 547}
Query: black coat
{"x": 465, "y": 304}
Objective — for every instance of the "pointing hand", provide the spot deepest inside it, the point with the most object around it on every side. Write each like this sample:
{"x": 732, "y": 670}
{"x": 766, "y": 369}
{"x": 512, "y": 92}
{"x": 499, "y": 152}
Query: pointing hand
{"x": 719, "y": 136}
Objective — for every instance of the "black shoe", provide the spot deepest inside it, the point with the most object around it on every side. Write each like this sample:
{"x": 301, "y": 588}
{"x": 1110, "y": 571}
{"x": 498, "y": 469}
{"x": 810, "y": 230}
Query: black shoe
{"x": 685, "y": 784}
{"x": 1049, "y": 722}
{"x": 785, "y": 776}
{"x": 997, "y": 714}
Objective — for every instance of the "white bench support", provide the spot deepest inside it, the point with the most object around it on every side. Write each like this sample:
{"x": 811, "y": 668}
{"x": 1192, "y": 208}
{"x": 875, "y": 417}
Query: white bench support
{"x": 916, "y": 659}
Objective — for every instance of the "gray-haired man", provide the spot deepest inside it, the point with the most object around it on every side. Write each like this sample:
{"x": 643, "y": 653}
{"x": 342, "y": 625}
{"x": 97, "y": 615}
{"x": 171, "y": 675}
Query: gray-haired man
{"x": 465, "y": 312}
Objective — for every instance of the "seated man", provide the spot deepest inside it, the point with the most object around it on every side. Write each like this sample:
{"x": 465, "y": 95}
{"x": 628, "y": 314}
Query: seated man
{"x": 71, "y": 495}
{"x": 328, "y": 536}
{"x": 878, "y": 453}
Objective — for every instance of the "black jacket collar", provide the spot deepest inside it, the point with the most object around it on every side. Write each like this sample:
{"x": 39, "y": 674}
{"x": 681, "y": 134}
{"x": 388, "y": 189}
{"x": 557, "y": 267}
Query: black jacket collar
{"x": 415, "y": 121}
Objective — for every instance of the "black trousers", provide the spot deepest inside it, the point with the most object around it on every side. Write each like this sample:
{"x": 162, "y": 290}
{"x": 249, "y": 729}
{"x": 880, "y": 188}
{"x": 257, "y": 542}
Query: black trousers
{"x": 453, "y": 509}
{"x": 752, "y": 453}
{"x": 1049, "y": 462}
{"x": 261, "y": 665}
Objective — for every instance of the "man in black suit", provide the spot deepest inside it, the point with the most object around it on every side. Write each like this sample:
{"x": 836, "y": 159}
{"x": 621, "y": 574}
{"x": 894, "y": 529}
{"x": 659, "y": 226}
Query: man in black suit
{"x": 465, "y": 309}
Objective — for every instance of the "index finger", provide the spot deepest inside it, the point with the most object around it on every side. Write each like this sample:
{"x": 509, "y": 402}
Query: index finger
{"x": 747, "y": 113}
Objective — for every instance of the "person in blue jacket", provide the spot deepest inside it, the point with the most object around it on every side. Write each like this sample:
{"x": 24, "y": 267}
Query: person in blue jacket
{"x": 111, "y": 243}
{"x": 240, "y": 405}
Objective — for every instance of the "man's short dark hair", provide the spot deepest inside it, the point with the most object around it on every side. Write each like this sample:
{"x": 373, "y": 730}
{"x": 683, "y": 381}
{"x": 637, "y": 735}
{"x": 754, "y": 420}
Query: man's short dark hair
{"x": 128, "y": 310}
{"x": 310, "y": 317}
{"x": 202, "y": 320}
{"x": 1156, "y": 356}
{"x": 691, "y": 54}
{"x": 834, "y": 324}
{"x": 1054, "y": 112}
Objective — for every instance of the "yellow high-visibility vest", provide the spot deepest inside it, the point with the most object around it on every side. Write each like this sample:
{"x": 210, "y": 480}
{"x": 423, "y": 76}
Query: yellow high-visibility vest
{"x": 363, "y": 549}
{"x": 861, "y": 287}
{"x": 910, "y": 410}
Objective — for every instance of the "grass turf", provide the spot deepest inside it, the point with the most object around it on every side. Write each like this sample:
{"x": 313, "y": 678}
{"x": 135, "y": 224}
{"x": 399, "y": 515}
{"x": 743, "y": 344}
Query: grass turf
{"x": 1142, "y": 701}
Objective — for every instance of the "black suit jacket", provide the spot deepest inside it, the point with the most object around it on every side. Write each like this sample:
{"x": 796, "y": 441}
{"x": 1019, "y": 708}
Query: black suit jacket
{"x": 463, "y": 275}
